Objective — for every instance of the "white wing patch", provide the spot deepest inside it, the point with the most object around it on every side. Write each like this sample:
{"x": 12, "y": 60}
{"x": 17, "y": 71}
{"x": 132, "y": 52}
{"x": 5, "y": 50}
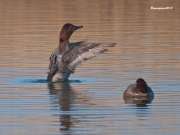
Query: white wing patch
{"x": 97, "y": 49}
{"x": 80, "y": 58}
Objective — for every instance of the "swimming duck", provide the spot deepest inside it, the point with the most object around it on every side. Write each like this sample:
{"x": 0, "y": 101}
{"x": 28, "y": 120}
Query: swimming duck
{"x": 67, "y": 56}
{"x": 140, "y": 89}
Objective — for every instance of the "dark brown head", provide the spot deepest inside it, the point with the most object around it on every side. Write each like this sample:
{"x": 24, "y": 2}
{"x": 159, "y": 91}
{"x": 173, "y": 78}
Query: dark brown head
{"x": 67, "y": 30}
{"x": 142, "y": 85}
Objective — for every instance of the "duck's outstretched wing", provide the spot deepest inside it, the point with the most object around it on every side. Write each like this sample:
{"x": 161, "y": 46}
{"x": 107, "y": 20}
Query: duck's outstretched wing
{"x": 83, "y": 51}
{"x": 53, "y": 65}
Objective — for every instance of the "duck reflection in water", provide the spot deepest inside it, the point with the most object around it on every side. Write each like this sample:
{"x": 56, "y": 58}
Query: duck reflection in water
{"x": 65, "y": 97}
{"x": 64, "y": 93}
{"x": 139, "y": 93}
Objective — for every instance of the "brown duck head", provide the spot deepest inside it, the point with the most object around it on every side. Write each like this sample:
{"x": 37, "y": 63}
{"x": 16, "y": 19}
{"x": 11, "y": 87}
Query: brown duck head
{"x": 142, "y": 85}
{"x": 67, "y": 30}
{"x": 65, "y": 33}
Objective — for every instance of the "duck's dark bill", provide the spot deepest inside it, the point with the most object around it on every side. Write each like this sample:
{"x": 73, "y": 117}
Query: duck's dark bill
{"x": 77, "y": 27}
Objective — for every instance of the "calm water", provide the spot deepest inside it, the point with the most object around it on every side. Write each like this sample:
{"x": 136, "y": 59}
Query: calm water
{"x": 148, "y": 46}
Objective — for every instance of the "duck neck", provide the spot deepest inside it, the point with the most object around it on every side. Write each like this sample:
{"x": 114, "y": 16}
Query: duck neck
{"x": 63, "y": 45}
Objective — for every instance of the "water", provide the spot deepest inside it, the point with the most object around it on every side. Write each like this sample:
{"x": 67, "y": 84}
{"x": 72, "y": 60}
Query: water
{"x": 92, "y": 101}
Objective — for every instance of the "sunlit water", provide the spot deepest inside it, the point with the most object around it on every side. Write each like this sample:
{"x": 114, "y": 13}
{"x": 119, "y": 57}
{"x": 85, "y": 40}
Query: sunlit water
{"x": 148, "y": 46}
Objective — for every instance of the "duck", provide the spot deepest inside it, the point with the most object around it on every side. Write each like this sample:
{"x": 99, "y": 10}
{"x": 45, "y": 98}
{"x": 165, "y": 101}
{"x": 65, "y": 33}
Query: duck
{"x": 139, "y": 89}
{"x": 65, "y": 58}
